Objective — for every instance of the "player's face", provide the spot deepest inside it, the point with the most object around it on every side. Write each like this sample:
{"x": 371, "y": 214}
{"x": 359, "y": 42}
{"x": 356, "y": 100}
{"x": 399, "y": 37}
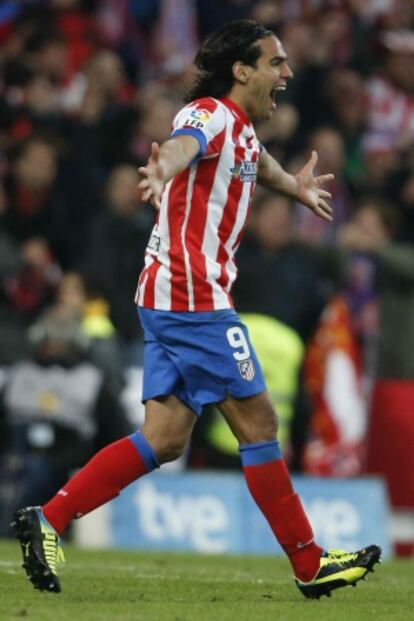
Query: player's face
{"x": 270, "y": 76}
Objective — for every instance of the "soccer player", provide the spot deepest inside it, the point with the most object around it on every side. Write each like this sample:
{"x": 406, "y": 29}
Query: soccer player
{"x": 197, "y": 350}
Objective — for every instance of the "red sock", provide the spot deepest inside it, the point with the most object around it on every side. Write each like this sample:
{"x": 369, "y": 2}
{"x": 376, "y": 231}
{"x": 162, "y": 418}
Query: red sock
{"x": 100, "y": 480}
{"x": 269, "y": 483}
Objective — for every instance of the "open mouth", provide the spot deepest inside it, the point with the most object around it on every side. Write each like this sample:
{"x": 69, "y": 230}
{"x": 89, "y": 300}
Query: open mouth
{"x": 274, "y": 91}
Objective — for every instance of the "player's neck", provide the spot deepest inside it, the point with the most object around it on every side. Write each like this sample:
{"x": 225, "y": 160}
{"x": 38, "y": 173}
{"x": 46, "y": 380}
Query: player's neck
{"x": 236, "y": 103}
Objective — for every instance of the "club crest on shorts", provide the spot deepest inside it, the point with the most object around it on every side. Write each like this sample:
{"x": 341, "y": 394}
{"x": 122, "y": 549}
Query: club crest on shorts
{"x": 247, "y": 370}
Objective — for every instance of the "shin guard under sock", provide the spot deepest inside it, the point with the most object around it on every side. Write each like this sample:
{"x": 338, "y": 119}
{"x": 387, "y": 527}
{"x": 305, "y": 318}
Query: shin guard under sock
{"x": 101, "y": 479}
{"x": 269, "y": 483}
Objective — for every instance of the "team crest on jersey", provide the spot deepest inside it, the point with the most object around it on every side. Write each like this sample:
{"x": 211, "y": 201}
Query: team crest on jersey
{"x": 198, "y": 118}
{"x": 247, "y": 370}
{"x": 246, "y": 171}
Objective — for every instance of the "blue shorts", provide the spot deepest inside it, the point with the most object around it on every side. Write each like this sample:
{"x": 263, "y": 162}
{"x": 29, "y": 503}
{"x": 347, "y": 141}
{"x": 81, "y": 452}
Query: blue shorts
{"x": 200, "y": 357}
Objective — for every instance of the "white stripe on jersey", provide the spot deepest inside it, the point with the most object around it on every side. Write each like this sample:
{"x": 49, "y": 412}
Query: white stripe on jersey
{"x": 163, "y": 278}
{"x": 162, "y": 291}
{"x": 211, "y": 239}
{"x": 190, "y": 186}
{"x": 239, "y": 224}
{"x": 139, "y": 296}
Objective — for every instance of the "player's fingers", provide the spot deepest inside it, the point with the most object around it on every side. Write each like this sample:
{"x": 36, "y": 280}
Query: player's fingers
{"x": 310, "y": 164}
{"x": 155, "y": 151}
{"x": 323, "y": 214}
{"x": 146, "y": 195}
{"x": 143, "y": 184}
{"x": 324, "y": 179}
{"x": 324, "y": 206}
{"x": 324, "y": 194}
{"x": 142, "y": 176}
{"x": 143, "y": 190}
{"x": 155, "y": 201}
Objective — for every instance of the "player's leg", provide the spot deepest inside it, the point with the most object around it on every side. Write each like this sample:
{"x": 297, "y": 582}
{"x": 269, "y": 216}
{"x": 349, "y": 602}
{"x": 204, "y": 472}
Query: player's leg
{"x": 254, "y": 424}
{"x": 163, "y": 437}
{"x": 165, "y": 433}
{"x": 168, "y": 426}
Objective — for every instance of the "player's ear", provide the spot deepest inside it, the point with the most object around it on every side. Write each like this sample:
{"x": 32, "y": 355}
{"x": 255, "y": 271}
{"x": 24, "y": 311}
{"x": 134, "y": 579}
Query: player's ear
{"x": 241, "y": 72}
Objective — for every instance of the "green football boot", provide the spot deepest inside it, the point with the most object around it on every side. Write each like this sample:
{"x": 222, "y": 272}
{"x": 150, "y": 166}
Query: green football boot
{"x": 41, "y": 548}
{"x": 339, "y": 568}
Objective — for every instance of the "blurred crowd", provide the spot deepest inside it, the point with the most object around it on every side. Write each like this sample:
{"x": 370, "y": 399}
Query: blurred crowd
{"x": 85, "y": 87}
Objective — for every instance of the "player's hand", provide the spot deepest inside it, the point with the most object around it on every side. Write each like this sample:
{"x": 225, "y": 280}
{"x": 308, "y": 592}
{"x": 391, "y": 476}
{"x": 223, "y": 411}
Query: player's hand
{"x": 310, "y": 189}
{"x": 151, "y": 179}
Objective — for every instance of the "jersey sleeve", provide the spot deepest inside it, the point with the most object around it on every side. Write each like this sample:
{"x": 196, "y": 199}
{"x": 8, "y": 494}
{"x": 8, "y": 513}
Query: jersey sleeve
{"x": 204, "y": 119}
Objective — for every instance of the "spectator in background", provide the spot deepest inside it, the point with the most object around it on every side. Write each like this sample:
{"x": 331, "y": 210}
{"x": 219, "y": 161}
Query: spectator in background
{"x": 176, "y": 36}
{"x": 348, "y": 350}
{"x": 105, "y": 78}
{"x": 267, "y": 12}
{"x": 329, "y": 145}
{"x": 76, "y": 20}
{"x": 215, "y": 13}
{"x": 46, "y": 198}
{"x": 116, "y": 251}
{"x": 28, "y": 280}
{"x": 105, "y": 114}
{"x": 345, "y": 95}
{"x": 391, "y": 430}
{"x": 278, "y": 134}
{"x": 405, "y": 195}
{"x": 47, "y": 54}
{"x": 157, "y": 111}
{"x": 390, "y": 90}
{"x": 310, "y": 50}
{"x": 370, "y": 233}
{"x": 12, "y": 341}
{"x": 380, "y": 162}
{"x": 35, "y": 206}
{"x": 77, "y": 301}
{"x": 55, "y": 411}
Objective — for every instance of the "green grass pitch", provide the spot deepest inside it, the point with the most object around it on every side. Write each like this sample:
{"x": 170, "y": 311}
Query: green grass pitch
{"x": 114, "y": 585}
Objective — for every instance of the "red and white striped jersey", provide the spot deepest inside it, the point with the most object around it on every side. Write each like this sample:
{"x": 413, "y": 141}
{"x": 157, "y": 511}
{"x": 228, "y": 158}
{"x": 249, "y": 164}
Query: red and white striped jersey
{"x": 189, "y": 263}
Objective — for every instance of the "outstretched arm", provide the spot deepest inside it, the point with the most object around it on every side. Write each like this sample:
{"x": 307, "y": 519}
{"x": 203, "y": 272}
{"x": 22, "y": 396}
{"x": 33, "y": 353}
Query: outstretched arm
{"x": 303, "y": 187}
{"x": 164, "y": 163}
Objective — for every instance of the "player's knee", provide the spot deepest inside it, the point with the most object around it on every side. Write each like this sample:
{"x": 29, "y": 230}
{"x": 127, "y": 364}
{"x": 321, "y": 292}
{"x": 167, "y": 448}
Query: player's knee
{"x": 266, "y": 431}
{"x": 170, "y": 449}
{"x": 271, "y": 426}
{"x": 262, "y": 428}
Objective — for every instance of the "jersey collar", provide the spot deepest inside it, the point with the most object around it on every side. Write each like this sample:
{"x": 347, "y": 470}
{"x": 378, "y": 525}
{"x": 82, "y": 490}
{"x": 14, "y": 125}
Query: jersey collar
{"x": 229, "y": 103}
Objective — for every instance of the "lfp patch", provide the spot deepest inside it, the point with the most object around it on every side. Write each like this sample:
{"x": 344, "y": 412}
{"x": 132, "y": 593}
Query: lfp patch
{"x": 198, "y": 118}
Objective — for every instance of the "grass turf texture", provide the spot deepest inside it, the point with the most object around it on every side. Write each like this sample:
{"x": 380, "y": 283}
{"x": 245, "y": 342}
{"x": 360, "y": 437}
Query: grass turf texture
{"x": 112, "y": 585}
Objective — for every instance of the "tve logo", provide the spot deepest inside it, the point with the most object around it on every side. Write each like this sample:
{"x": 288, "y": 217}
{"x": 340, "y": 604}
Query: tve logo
{"x": 198, "y": 521}
{"x": 214, "y": 513}
{"x": 336, "y": 523}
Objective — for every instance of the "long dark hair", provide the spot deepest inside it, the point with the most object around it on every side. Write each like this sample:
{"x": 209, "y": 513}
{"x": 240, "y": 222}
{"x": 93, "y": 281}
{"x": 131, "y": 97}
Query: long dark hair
{"x": 234, "y": 42}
